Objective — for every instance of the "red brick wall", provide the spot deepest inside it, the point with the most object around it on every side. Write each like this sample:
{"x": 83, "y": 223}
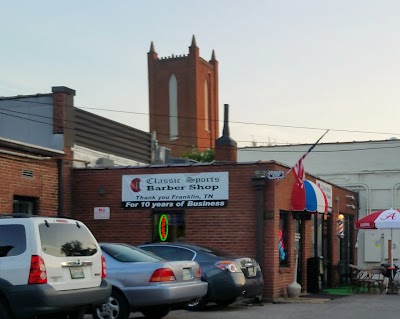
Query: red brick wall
{"x": 42, "y": 185}
{"x": 191, "y": 72}
{"x": 232, "y": 228}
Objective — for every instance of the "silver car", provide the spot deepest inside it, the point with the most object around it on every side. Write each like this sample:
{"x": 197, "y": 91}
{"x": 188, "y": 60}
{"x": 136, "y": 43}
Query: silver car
{"x": 144, "y": 282}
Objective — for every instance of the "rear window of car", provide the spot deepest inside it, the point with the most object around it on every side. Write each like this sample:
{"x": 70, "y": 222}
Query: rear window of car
{"x": 170, "y": 253}
{"x": 12, "y": 240}
{"x": 126, "y": 253}
{"x": 64, "y": 239}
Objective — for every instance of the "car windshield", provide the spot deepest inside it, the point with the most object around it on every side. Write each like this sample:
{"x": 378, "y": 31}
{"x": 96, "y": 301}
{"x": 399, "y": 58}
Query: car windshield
{"x": 127, "y": 253}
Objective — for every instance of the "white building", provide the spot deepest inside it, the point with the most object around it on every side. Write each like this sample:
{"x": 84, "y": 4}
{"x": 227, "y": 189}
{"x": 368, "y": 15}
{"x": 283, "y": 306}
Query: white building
{"x": 372, "y": 168}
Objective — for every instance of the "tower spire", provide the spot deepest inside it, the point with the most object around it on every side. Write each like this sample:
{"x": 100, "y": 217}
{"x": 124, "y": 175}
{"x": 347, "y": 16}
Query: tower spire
{"x": 213, "y": 55}
{"x": 152, "y": 48}
{"x": 194, "y": 44}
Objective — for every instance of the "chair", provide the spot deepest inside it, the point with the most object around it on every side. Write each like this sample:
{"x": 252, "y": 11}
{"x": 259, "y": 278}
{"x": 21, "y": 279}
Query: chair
{"x": 360, "y": 279}
{"x": 377, "y": 277}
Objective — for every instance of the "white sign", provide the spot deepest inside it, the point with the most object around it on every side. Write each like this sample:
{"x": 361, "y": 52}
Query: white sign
{"x": 276, "y": 175}
{"x": 327, "y": 189}
{"x": 102, "y": 213}
{"x": 155, "y": 191}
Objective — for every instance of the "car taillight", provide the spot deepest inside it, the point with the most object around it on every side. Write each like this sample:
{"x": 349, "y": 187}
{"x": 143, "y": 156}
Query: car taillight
{"x": 103, "y": 267}
{"x": 37, "y": 273}
{"x": 198, "y": 275}
{"x": 163, "y": 274}
{"x": 228, "y": 265}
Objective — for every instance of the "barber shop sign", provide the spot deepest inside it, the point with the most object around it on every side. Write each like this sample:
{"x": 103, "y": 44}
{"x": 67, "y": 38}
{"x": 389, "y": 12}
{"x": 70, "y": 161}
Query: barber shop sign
{"x": 153, "y": 191}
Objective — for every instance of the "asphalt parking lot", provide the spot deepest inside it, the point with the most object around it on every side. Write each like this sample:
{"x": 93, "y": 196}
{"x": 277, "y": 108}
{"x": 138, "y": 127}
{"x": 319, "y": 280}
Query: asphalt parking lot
{"x": 360, "y": 306}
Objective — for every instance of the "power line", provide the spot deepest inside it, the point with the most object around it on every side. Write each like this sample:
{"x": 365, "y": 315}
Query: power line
{"x": 231, "y": 122}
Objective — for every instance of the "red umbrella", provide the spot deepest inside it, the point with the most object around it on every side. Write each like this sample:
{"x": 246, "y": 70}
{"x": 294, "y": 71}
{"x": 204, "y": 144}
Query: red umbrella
{"x": 383, "y": 219}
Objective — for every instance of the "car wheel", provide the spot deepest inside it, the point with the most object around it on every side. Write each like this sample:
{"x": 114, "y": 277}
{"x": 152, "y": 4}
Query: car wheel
{"x": 116, "y": 308}
{"x": 4, "y": 312}
{"x": 155, "y": 313}
{"x": 197, "y": 304}
{"x": 226, "y": 302}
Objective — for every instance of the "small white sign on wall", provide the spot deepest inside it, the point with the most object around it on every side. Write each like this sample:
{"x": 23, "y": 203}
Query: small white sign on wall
{"x": 102, "y": 213}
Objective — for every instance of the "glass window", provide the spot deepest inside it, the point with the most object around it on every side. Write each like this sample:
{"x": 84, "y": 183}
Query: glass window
{"x": 66, "y": 240}
{"x": 168, "y": 226}
{"x": 283, "y": 236}
{"x": 125, "y": 253}
{"x": 170, "y": 253}
{"x": 12, "y": 240}
{"x": 25, "y": 205}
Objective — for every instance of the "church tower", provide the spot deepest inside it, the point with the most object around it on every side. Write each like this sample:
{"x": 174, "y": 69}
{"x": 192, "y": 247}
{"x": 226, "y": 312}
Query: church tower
{"x": 183, "y": 100}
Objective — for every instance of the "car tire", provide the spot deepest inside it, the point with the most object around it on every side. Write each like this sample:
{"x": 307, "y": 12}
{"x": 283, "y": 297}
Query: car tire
{"x": 197, "y": 305}
{"x": 225, "y": 302}
{"x": 116, "y": 308}
{"x": 155, "y": 312}
{"x": 4, "y": 312}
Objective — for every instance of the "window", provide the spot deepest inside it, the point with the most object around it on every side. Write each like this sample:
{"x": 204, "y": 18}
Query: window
{"x": 126, "y": 253}
{"x": 283, "y": 236}
{"x": 206, "y": 106}
{"x": 67, "y": 240}
{"x": 173, "y": 107}
{"x": 12, "y": 240}
{"x": 24, "y": 204}
{"x": 172, "y": 229}
{"x": 170, "y": 253}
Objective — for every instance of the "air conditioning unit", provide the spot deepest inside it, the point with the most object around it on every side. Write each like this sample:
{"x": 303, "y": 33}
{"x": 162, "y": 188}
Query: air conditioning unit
{"x": 163, "y": 155}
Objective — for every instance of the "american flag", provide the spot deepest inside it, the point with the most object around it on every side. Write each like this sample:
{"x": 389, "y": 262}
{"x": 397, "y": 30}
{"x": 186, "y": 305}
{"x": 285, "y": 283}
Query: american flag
{"x": 298, "y": 168}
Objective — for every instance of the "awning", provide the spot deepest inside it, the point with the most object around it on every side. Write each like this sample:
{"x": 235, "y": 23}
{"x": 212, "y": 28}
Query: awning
{"x": 309, "y": 197}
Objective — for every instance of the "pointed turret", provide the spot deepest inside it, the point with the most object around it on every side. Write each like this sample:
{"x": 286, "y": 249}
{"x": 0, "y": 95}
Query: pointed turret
{"x": 213, "y": 56}
{"x": 193, "y": 49}
{"x": 152, "y": 48}
{"x": 194, "y": 44}
{"x": 152, "y": 53}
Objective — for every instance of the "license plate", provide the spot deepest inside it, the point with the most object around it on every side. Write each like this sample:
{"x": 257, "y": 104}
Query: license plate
{"x": 76, "y": 272}
{"x": 187, "y": 275}
{"x": 251, "y": 271}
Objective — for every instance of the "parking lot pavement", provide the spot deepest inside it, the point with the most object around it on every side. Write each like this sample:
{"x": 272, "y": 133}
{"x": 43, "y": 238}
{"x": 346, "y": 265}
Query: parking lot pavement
{"x": 360, "y": 306}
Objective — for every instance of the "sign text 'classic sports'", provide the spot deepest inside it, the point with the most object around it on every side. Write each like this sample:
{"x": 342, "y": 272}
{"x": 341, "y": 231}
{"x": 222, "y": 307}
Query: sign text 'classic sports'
{"x": 153, "y": 191}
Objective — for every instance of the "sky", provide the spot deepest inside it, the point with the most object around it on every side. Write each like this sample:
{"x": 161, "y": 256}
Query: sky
{"x": 289, "y": 70}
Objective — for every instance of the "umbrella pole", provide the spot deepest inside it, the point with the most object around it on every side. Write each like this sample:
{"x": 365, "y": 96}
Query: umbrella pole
{"x": 391, "y": 289}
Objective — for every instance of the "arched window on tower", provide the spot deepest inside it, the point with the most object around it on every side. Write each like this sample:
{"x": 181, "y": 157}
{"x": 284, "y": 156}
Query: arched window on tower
{"x": 206, "y": 107}
{"x": 173, "y": 107}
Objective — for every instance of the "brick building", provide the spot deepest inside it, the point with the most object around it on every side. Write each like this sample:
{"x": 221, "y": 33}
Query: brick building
{"x": 183, "y": 100}
{"x": 244, "y": 212}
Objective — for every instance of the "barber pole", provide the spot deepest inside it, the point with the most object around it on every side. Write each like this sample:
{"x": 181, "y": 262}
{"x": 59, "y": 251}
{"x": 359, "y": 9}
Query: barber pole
{"x": 340, "y": 232}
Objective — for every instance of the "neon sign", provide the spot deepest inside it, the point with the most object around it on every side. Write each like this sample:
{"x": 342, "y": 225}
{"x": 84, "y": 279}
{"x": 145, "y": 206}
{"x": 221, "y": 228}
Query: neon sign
{"x": 163, "y": 227}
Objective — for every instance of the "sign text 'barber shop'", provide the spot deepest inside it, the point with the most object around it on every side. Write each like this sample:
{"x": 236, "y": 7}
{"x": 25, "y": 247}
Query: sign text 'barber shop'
{"x": 155, "y": 191}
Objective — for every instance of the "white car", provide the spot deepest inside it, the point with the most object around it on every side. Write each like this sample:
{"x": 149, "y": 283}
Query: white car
{"x": 49, "y": 265}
